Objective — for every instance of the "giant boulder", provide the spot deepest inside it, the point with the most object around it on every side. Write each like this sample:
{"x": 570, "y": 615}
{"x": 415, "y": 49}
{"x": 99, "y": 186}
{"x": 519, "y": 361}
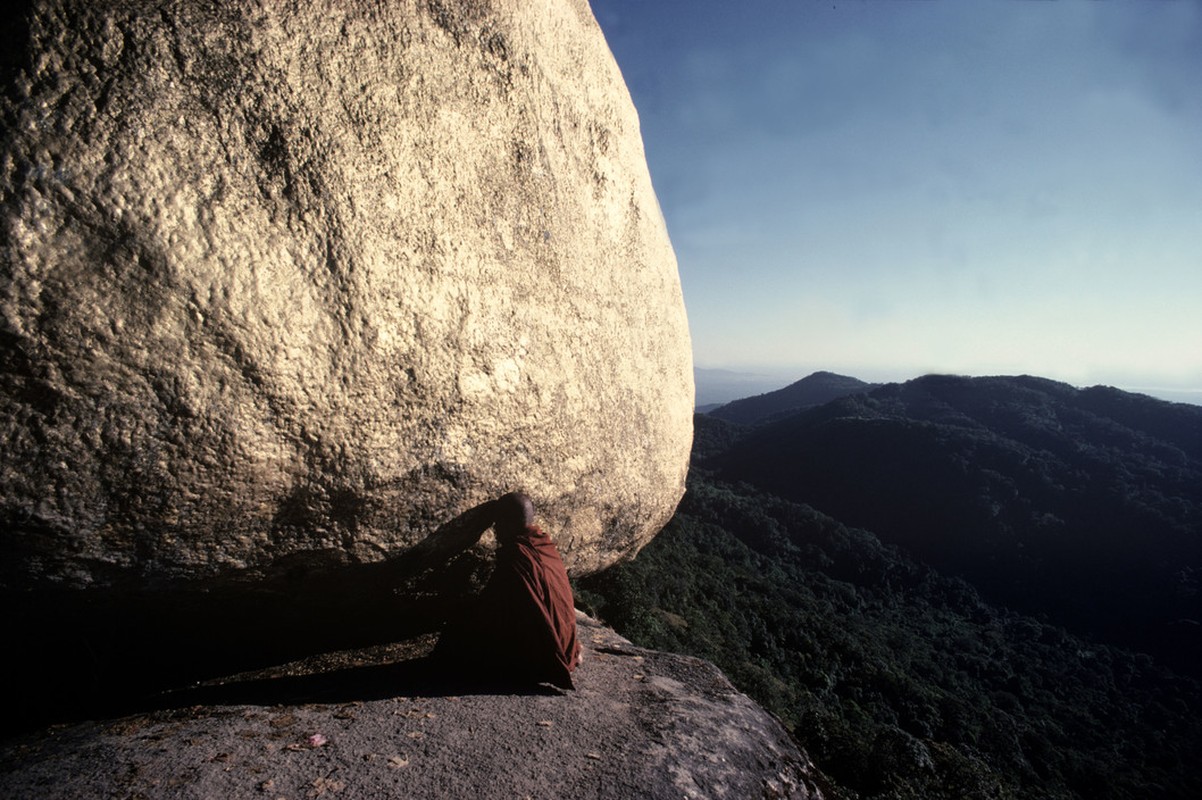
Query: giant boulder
{"x": 308, "y": 280}
{"x": 287, "y": 289}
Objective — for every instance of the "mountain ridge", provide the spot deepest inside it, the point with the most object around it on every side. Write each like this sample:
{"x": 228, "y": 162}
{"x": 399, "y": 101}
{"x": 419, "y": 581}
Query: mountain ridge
{"x": 1052, "y": 499}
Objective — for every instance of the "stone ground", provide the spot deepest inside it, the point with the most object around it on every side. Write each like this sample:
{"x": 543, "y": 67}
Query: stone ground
{"x": 378, "y": 723}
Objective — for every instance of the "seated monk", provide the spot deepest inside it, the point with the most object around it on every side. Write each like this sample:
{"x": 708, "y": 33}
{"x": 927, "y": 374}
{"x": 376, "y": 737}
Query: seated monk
{"x": 522, "y": 626}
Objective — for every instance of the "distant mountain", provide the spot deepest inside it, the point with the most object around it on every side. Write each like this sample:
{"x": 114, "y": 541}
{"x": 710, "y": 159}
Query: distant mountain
{"x": 1084, "y": 506}
{"x": 715, "y": 387}
{"x": 813, "y": 390}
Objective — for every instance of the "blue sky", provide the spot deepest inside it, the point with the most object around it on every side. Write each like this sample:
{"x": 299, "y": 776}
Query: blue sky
{"x": 886, "y": 189}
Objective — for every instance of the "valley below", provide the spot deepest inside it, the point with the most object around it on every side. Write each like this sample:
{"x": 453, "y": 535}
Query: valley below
{"x": 950, "y": 587}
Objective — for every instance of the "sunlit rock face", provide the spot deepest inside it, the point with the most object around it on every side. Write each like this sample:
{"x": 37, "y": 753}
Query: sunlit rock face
{"x": 308, "y": 280}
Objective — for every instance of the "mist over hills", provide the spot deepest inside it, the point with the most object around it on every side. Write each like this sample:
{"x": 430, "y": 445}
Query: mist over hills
{"x": 715, "y": 387}
{"x": 950, "y": 587}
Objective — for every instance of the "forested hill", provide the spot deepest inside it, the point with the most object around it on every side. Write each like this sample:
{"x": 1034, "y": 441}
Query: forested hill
{"x": 1083, "y": 506}
{"x": 812, "y": 390}
{"x": 900, "y": 682}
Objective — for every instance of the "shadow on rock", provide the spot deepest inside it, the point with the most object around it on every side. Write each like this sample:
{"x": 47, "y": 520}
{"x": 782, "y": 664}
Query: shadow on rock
{"x": 420, "y": 677}
{"x": 99, "y": 652}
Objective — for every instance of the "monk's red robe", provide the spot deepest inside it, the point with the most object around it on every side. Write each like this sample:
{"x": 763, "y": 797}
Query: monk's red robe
{"x": 524, "y": 623}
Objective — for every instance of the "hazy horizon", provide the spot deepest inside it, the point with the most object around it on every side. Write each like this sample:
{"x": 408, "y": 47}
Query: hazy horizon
{"x": 897, "y": 189}
{"x": 722, "y": 385}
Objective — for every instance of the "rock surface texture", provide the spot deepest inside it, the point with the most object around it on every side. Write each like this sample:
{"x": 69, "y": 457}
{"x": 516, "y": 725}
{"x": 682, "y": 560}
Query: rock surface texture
{"x": 641, "y": 724}
{"x": 306, "y": 280}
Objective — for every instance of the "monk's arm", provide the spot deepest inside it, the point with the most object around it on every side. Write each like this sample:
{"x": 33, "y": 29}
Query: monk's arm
{"x": 448, "y": 541}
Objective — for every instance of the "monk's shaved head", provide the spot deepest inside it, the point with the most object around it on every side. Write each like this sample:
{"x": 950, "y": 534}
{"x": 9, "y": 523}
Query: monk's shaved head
{"x": 514, "y": 513}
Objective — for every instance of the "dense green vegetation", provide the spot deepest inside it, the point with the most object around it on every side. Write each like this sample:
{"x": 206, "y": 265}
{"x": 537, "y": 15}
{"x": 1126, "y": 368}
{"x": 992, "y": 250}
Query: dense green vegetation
{"x": 899, "y": 681}
{"x": 1082, "y": 505}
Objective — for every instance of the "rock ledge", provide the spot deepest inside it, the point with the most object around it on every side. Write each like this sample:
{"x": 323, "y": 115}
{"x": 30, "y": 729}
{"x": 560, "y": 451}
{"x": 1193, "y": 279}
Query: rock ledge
{"x": 642, "y": 723}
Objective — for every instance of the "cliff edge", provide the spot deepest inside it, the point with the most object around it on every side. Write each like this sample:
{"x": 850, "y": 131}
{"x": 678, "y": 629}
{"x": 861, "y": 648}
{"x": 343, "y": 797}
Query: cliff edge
{"x": 371, "y": 724}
